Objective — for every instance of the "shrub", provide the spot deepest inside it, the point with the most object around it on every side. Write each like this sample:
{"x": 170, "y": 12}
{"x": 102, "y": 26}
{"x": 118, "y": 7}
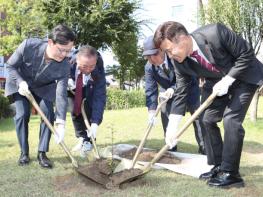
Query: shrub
{"x": 124, "y": 99}
{"x": 5, "y": 110}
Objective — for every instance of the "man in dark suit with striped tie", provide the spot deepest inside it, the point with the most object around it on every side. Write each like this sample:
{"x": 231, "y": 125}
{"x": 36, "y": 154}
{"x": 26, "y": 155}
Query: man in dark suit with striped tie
{"x": 159, "y": 70}
{"x": 232, "y": 71}
{"x": 88, "y": 81}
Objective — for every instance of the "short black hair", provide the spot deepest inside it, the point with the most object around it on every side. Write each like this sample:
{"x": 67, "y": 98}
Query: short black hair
{"x": 62, "y": 34}
{"x": 168, "y": 30}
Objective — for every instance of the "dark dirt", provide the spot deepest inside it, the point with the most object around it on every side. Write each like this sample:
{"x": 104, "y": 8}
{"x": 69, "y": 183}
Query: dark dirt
{"x": 96, "y": 172}
{"x": 120, "y": 177}
{"x": 74, "y": 184}
{"x": 147, "y": 155}
{"x": 100, "y": 171}
{"x": 97, "y": 176}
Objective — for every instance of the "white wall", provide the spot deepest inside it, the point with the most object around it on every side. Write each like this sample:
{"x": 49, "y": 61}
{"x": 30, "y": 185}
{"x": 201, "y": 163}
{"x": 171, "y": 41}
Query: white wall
{"x": 183, "y": 11}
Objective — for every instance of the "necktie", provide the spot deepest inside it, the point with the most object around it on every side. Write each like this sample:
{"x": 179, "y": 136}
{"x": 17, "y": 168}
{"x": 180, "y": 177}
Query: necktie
{"x": 203, "y": 62}
{"x": 166, "y": 71}
{"x": 78, "y": 95}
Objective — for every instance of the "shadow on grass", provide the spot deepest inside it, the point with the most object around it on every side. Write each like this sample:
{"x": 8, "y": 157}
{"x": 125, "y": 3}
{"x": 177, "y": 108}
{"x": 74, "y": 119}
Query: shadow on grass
{"x": 7, "y": 125}
{"x": 253, "y": 147}
{"x": 4, "y": 143}
{"x": 252, "y": 170}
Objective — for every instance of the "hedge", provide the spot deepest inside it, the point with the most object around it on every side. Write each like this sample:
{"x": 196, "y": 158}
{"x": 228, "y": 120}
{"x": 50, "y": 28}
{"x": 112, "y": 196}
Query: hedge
{"x": 5, "y": 110}
{"x": 124, "y": 99}
{"x": 116, "y": 99}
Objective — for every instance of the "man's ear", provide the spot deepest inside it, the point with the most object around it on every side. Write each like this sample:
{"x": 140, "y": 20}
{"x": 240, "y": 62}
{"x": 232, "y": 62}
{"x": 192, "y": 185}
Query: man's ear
{"x": 50, "y": 42}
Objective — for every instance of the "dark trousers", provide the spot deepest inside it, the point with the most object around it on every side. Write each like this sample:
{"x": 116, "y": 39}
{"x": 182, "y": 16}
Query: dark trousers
{"x": 22, "y": 117}
{"x": 165, "y": 111}
{"x": 232, "y": 109}
{"x": 78, "y": 122}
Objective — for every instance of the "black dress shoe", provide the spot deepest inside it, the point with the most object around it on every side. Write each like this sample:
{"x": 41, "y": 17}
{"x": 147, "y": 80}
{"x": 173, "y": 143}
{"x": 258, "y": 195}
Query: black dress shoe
{"x": 43, "y": 160}
{"x": 174, "y": 149}
{"x": 226, "y": 180}
{"x": 212, "y": 173}
{"x": 201, "y": 150}
{"x": 23, "y": 159}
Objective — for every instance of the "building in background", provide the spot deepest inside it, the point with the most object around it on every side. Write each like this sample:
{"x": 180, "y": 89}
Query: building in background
{"x": 3, "y": 59}
{"x": 157, "y": 12}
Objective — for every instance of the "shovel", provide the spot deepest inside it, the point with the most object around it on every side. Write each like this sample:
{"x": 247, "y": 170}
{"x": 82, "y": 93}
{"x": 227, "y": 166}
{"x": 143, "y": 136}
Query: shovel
{"x": 86, "y": 171}
{"x": 50, "y": 126}
{"x": 147, "y": 168}
{"x": 89, "y": 129}
{"x": 126, "y": 163}
{"x": 87, "y": 125}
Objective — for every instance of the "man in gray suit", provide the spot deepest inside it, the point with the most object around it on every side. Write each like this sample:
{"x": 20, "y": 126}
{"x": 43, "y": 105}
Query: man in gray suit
{"x": 41, "y": 67}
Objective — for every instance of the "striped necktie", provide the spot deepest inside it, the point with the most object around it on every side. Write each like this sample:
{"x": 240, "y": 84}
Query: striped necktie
{"x": 78, "y": 95}
{"x": 203, "y": 62}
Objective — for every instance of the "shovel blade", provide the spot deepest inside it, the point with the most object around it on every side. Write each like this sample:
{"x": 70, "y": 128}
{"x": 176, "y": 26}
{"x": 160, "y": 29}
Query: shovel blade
{"x": 126, "y": 164}
{"x": 94, "y": 175}
{"x": 123, "y": 165}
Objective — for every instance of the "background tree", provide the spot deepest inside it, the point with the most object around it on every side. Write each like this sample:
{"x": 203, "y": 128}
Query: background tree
{"x": 130, "y": 58}
{"x": 245, "y": 17}
{"x": 102, "y": 24}
{"x": 98, "y": 23}
{"x": 21, "y": 20}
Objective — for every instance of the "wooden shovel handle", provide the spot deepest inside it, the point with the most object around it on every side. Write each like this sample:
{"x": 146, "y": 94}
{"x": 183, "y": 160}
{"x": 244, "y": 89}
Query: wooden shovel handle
{"x": 50, "y": 126}
{"x": 149, "y": 128}
{"x": 202, "y": 107}
{"x": 89, "y": 128}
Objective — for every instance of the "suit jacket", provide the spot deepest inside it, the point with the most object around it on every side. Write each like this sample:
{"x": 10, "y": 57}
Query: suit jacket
{"x": 155, "y": 75}
{"x": 94, "y": 91}
{"x": 230, "y": 53}
{"x": 48, "y": 81}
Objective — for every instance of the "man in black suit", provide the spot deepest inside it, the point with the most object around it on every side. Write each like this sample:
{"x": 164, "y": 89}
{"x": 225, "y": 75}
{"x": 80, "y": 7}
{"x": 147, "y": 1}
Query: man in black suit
{"x": 40, "y": 66}
{"x": 232, "y": 71}
{"x": 159, "y": 74}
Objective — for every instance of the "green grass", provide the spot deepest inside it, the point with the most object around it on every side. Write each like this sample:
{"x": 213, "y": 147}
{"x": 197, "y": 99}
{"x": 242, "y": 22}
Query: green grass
{"x": 126, "y": 126}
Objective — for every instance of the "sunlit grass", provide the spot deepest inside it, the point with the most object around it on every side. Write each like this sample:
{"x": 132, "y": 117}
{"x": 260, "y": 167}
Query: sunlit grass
{"x": 123, "y": 126}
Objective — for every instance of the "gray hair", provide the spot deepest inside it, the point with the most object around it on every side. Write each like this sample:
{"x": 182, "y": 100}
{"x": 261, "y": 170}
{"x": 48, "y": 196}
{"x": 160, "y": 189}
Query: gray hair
{"x": 87, "y": 50}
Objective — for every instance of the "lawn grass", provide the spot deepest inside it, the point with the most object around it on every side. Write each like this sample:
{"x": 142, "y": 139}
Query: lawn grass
{"x": 122, "y": 126}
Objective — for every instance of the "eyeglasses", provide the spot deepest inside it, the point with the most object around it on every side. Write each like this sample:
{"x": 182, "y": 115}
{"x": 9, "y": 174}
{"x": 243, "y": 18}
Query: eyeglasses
{"x": 61, "y": 51}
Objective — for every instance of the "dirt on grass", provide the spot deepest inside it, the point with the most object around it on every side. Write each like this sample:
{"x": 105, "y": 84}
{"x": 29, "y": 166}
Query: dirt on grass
{"x": 97, "y": 176}
{"x": 147, "y": 155}
{"x": 76, "y": 184}
{"x": 72, "y": 184}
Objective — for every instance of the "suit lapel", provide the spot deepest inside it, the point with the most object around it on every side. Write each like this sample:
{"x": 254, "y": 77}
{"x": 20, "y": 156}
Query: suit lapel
{"x": 161, "y": 77}
{"x": 204, "y": 46}
{"x": 40, "y": 58}
{"x": 161, "y": 73}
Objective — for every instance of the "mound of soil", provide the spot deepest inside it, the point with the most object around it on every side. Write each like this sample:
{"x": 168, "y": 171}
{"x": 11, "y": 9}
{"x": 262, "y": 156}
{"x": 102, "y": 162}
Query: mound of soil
{"x": 98, "y": 174}
{"x": 101, "y": 172}
{"x": 76, "y": 185}
{"x": 147, "y": 155}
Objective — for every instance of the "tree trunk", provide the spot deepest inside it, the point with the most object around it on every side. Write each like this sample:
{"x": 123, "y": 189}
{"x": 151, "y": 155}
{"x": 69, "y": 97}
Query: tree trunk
{"x": 254, "y": 107}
